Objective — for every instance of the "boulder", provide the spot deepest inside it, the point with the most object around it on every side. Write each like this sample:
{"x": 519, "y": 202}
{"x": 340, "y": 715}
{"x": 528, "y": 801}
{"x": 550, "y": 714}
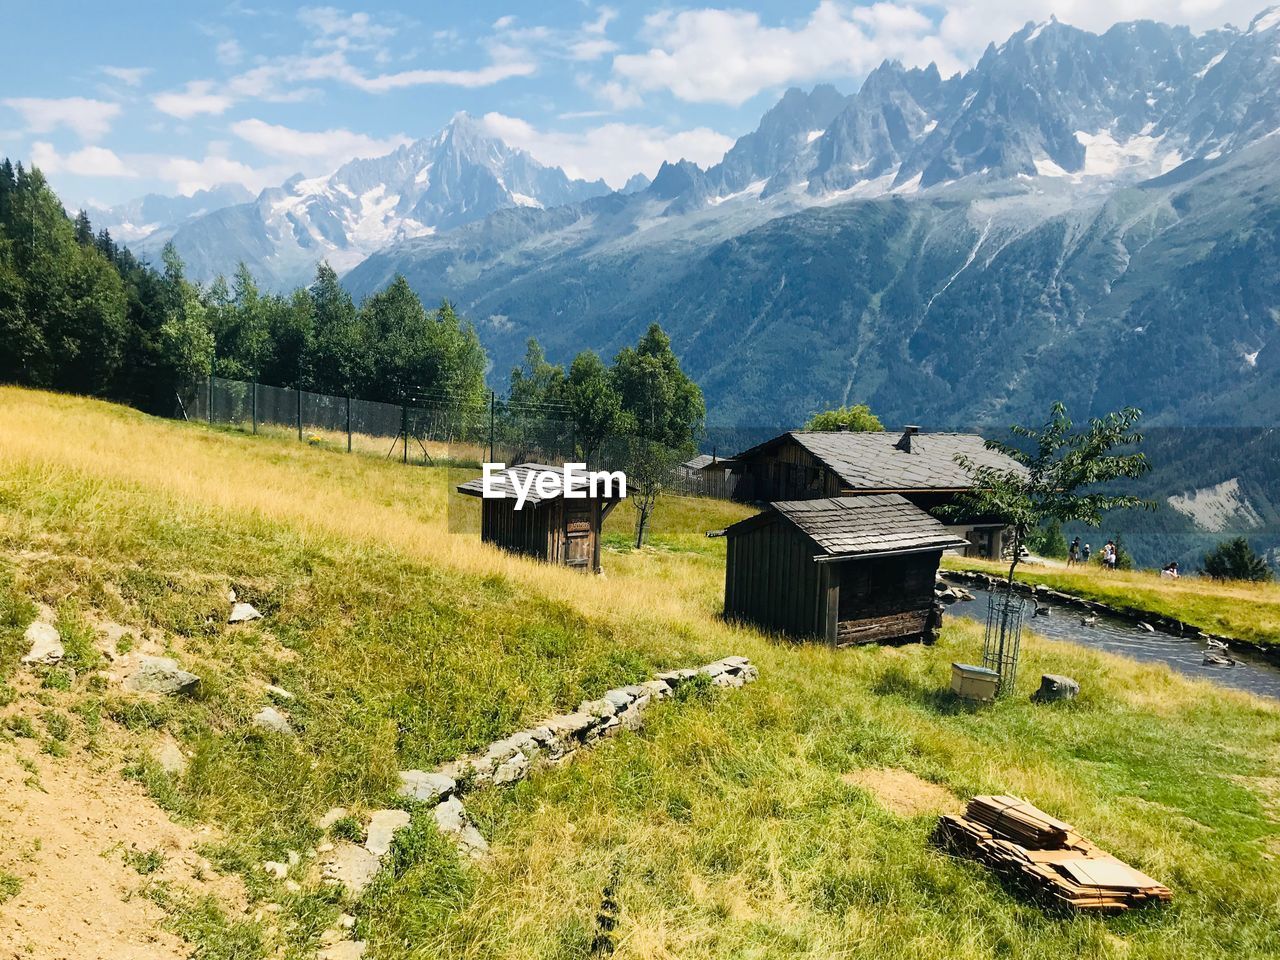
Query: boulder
{"x": 160, "y": 675}
{"x": 620, "y": 698}
{"x": 1055, "y": 687}
{"x": 169, "y": 755}
{"x": 343, "y": 950}
{"x": 46, "y": 644}
{"x": 452, "y": 821}
{"x": 350, "y": 865}
{"x": 272, "y": 720}
{"x": 425, "y": 787}
{"x": 383, "y": 826}
{"x": 515, "y": 768}
{"x": 243, "y": 613}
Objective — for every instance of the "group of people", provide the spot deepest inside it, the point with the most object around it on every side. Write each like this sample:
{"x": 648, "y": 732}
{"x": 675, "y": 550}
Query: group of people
{"x": 1078, "y": 553}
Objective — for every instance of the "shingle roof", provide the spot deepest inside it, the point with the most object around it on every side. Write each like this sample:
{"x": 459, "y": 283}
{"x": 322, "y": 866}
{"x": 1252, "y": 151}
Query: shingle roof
{"x": 698, "y": 462}
{"x": 876, "y": 523}
{"x": 501, "y": 482}
{"x": 871, "y": 461}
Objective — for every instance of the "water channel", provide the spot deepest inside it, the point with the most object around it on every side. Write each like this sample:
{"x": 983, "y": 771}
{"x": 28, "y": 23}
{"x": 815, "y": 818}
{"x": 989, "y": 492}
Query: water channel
{"x": 1184, "y": 654}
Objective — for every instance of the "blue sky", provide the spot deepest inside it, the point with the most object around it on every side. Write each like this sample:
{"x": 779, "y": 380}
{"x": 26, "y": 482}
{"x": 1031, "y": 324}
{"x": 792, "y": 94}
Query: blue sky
{"x": 113, "y": 101}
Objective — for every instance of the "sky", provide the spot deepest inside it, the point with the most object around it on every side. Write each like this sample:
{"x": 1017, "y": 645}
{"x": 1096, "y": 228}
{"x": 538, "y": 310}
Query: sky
{"x": 113, "y": 101}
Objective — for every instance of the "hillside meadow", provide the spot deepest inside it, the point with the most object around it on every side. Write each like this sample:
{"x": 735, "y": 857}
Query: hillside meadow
{"x": 751, "y": 823}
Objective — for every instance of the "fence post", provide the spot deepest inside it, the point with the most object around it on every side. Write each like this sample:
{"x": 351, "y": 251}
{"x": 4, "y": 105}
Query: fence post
{"x": 208, "y": 407}
{"x": 493, "y": 401}
{"x": 348, "y": 423}
{"x": 404, "y": 429}
{"x": 298, "y": 393}
{"x": 254, "y": 406}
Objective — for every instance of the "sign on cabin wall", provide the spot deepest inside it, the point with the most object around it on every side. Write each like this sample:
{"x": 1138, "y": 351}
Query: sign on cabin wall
{"x": 578, "y": 528}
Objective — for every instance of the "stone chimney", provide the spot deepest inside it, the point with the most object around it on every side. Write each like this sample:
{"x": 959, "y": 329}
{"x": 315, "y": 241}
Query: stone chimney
{"x": 904, "y": 442}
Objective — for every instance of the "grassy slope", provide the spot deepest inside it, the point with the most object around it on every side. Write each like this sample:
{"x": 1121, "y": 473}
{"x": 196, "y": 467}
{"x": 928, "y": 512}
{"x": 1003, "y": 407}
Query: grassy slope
{"x": 726, "y": 821}
{"x": 1246, "y": 611}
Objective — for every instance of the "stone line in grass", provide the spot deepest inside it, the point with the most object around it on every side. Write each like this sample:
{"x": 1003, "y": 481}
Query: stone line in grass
{"x": 551, "y": 742}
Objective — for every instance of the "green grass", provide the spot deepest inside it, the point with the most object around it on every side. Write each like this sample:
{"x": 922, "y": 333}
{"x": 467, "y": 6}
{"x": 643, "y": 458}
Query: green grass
{"x": 1249, "y": 612}
{"x": 10, "y": 886}
{"x": 725, "y": 821}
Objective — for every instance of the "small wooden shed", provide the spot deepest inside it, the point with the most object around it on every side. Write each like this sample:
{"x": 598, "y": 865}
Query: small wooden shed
{"x": 846, "y": 570}
{"x": 555, "y": 529}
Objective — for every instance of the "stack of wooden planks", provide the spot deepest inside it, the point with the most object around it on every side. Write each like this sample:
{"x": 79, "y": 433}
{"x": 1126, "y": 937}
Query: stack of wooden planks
{"x": 1026, "y": 845}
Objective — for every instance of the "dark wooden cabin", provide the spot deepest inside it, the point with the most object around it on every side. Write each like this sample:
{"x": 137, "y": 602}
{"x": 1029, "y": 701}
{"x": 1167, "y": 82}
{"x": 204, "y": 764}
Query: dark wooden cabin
{"x": 846, "y": 570}
{"x": 922, "y": 467}
{"x": 556, "y": 529}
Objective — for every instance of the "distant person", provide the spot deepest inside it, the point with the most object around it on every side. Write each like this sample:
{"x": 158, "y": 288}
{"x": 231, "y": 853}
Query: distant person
{"x": 1073, "y": 553}
{"x": 1084, "y": 553}
{"x": 1170, "y": 570}
{"x": 1109, "y": 555}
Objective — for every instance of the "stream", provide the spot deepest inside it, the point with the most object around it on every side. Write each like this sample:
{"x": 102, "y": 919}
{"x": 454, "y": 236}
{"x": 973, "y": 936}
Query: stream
{"x": 1184, "y": 654}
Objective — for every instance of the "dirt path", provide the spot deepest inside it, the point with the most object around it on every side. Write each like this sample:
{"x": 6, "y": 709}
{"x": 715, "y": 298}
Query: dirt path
{"x": 66, "y": 826}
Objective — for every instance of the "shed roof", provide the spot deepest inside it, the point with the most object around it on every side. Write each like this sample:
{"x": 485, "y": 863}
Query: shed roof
{"x": 502, "y": 482}
{"x": 873, "y": 461}
{"x": 860, "y": 526}
{"x": 698, "y": 462}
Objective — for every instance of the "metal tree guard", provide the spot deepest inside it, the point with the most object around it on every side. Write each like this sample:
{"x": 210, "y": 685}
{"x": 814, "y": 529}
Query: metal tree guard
{"x": 1004, "y": 636}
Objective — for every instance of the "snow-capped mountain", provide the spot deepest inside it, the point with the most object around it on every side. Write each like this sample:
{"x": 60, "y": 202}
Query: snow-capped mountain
{"x": 460, "y": 175}
{"x": 1052, "y": 101}
{"x": 1088, "y": 217}
{"x": 139, "y": 219}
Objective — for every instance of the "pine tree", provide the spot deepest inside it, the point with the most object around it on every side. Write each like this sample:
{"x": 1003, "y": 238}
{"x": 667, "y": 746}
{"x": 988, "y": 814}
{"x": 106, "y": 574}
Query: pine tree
{"x": 1235, "y": 559}
{"x": 338, "y": 361}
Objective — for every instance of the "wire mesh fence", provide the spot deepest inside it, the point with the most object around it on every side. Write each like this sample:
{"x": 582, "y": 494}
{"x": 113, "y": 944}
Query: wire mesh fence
{"x": 1003, "y": 638}
{"x": 437, "y": 427}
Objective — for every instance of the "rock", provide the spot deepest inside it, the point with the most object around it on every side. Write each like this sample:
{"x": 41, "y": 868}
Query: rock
{"x": 279, "y": 693}
{"x": 515, "y": 768}
{"x": 46, "y": 644}
{"x": 275, "y": 869}
{"x": 331, "y": 816}
{"x": 619, "y": 698}
{"x": 160, "y": 675}
{"x": 1055, "y": 687}
{"x": 597, "y": 708}
{"x": 169, "y": 755}
{"x": 346, "y": 921}
{"x": 453, "y": 822}
{"x": 243, "y": 613}
{"x": 570, "y": 724}
{"x": 658, "y": 688}
{"x": 350, "y": 865}
{"x": 272, "y": 720}
{"x": 293, "y": 857}
{"x": 714, "y": 670}
{"x": 383, "y": 826}
{"x": 325, "y": 847}
{"x": 343, "y": 950}
{"x": 425, "y": 787}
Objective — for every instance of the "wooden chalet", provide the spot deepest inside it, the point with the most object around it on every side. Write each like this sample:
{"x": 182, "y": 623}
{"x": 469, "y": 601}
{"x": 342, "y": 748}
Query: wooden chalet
{"x": 846, "y": 570}
{"x": 555, "y": 529}
{"x": 921, "y": 467}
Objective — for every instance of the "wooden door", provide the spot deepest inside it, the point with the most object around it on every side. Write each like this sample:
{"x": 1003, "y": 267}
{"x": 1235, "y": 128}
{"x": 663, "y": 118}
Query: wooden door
{"x": 578, "y": 537}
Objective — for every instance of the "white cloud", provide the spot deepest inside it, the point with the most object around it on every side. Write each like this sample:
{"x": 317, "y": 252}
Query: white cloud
{"x": 89, "y": 119}
{"x": 480, "y": 77}
{"x": 129, "y": 76}
{"x": 229, "y": 52}
{"x": 613, "y": 151}
{"x": 196, "y": 98}
{"x": 184, "y": 175}
{"x": 591, "y": 49}
{"x": 344, "y": 31}
{"x": 332, "y": 146}
{"x": 728, "y": 56}
{"x": 87, "y": 162}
